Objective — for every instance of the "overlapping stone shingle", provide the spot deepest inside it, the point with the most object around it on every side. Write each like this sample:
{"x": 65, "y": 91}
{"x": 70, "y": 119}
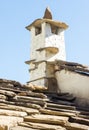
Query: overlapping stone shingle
{"x": 24, "y": 107}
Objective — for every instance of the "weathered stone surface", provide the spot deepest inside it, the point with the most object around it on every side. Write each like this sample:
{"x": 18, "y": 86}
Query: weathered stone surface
{"x": 57, "y": 113}
{"x": 49, "y": 119}
{"x": 34, "y": 87}
{"x": 30, "y": 98}
{"x": 7, "y": 93}
{"x": 21, "y": 103}
{"x": 2, "y": 97}
{"x": 8, "y": 121}
{"x": 39, "y": 101}
{"x": 61, "y": 106}
{"x": 8, "y": 85}
{"x": 79, "y": 120}
{"x": 19, "y": 108}
{"x": 32, "y": 94}
{"x": 42, "y": 126}
{"x": 12, "y": 113}
{"x": 21, "y": 128}
{"x": 76, "y": 126}
{"x": 15, "y": 83}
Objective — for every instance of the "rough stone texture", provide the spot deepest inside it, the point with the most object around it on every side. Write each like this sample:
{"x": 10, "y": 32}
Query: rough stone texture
{"x": 49, "y": 119}
{"x": 8, "y": 121}
{"x": 42, "y": 126}
{"x": 76, "y": 126}
{"x": 21, "y": 128}
{"x": 19, "y": 109}
{"x": 26, "y": 109}
{"x": 12, "y": 113}
{"x": 3, "y": 97}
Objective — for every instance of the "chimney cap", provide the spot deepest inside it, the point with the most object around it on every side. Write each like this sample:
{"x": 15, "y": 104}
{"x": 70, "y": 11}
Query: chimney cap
{"x": 47, "y": 18}
{"x": 47, "y": 14}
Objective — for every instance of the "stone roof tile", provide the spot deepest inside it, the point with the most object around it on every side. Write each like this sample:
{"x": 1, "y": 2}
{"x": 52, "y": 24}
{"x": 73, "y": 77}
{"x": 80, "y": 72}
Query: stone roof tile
{"x": 30, "y": 107}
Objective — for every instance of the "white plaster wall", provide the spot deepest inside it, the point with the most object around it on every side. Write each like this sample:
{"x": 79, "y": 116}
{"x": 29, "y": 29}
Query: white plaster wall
{"x": 40, "y": 82}
{"x": 56, "y": 41}
{"x": 47, "y": 29}
{"x": 37, "y": 42}
{"x": 39, "y": 72}
{"x": 32, "y": 66}
{"x": 45, "y": 39}
{"x": 73, "y": 83}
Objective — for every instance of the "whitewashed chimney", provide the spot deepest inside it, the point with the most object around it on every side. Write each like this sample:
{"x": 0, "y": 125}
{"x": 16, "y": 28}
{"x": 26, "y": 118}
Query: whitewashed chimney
{"x": 47, "y": 45}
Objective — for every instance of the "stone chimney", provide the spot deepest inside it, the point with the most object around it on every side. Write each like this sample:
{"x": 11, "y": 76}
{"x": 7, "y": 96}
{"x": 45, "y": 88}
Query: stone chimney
{"x": 47, "y": 45}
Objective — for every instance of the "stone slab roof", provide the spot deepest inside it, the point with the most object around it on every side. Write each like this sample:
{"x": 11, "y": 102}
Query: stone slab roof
{"x": 71, "y": 66}
{"x": 37, "y": 22}
{"x": 29, "y": 107}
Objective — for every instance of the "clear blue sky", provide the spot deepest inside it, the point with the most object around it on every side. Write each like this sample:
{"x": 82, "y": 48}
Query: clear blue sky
{"x": 15, "y": 39}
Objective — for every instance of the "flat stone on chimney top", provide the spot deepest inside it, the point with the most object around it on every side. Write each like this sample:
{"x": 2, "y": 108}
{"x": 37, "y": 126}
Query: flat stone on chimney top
{"x": 47, "y": 14}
